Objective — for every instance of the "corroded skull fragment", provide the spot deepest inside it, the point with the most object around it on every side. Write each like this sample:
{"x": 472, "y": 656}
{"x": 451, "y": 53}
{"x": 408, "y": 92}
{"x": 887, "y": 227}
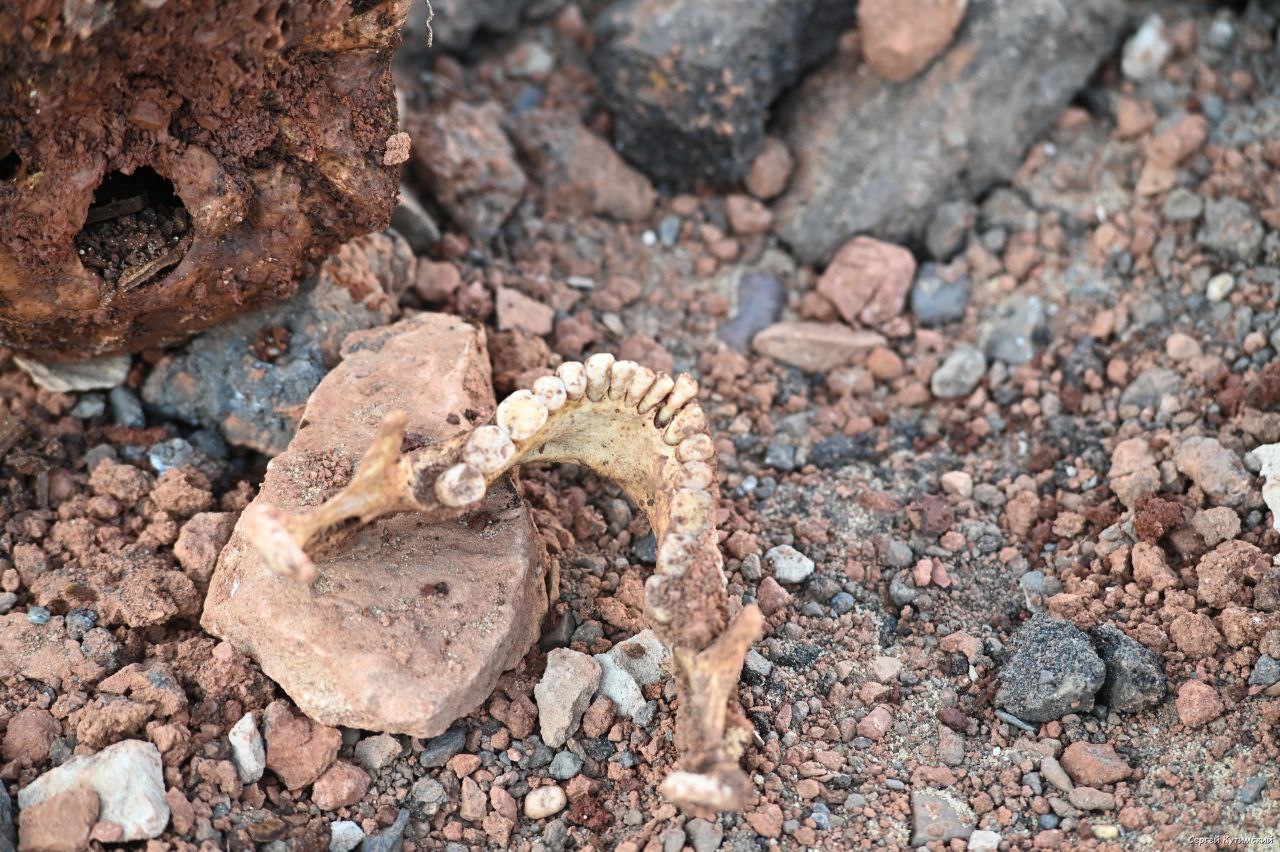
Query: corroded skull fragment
{"x": 164, "y": 166}
{"x": 646, "y": 432}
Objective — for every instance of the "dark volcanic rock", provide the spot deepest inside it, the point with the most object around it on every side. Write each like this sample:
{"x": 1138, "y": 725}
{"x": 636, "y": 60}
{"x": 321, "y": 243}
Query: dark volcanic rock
{"x": 690, "y": 81}
{"x": 1135, "y": 673}
{"x": 761, "y": 298}
{"x": 878, "y": 157}
{"x": 1053, "y": 671}
{"x": 251, "y": 378}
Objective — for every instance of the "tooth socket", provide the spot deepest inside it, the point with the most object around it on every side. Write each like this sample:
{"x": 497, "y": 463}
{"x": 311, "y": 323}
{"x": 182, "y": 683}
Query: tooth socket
{"x": 685, "y": 389}
{"x": 599, "y": 371}
{"x": 522, "y": 414}
{"x": 696, "y": 448}
{"x": 551, "y": 392}
{"x": 656, "y": 394}
{"x": 620, "y": 376}
{"x": 574, "y": 376}
{"x": 460, "y": 485}
{"x": 488, "y": 448}
{"x": 689, "y": 421}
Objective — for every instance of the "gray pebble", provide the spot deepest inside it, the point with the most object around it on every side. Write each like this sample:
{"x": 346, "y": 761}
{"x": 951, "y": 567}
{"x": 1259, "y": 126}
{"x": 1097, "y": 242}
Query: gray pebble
{"x": 437, "y": 750}
{"x": 564, "y": 766}
{"x": 126, "y": 409}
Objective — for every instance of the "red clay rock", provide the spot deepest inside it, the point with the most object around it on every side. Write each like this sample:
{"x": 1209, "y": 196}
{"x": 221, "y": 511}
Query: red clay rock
{"x": 298, "y": 749}
{"x": 1198, "y": 703}
{"x": 468, "y": 164}
{"x": 868, "y": 280}
{"x": 901, "y": 37}
{"x": 403, "y": 669}
{"x": 1195, "y": 635}
{"x": 1094, "y": 764}
{"x": 1223, "y": 570}
{"x": 200, "y": 541}
{"x": 770, "y": 170}
{"x": 29, "y": 735}
{"x": 772, "y": 596}
{"x": 814, "y": 347}
{"x": 59, "y": 824}
{"x": 342, "y": 784}
{"x": 578, "y": 170}
{"x": 43, "y": 652}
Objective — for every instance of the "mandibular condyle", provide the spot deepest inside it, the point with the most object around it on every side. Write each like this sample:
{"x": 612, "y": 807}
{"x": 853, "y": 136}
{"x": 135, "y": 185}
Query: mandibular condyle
{"x": 645, "y": 431}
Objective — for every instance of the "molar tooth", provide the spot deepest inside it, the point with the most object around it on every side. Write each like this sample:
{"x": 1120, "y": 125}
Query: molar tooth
{"x": 488, "y": 448}
{"x": 656, "y": 393}
{"x": 696, "y": 475}
{"x": 685, "y": 389}
{"x": 696, "y": 448}
{"x": 640, "y": 384}
{"x": 676, "y": 553}
{"x": 689, "y": 421}
{"x": 654, "y": 597}
{"x": 690, "y": 511}
{"x": 574, "y": 376}
{"x": 620, "y": 376}
{"x": 460, "y": 485}
{"x": 599, "y": 368}
{"x": 522, "y": 414}
{"x": 551, "y": 391}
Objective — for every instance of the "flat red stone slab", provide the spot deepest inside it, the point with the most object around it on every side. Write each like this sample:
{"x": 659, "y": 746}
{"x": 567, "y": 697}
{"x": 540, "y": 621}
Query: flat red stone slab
{"x": 410, "y": 624}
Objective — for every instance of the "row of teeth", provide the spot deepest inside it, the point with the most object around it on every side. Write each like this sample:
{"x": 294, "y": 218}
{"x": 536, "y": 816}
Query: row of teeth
{"x": 491, "y": 449}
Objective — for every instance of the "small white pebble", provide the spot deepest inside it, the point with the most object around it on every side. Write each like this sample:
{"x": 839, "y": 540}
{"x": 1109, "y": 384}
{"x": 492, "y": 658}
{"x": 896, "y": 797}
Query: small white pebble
{"x": 545, "y": 801}
{"x": 1219, "y": 287}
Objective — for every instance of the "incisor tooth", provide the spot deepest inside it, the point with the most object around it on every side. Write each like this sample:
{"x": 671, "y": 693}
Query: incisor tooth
{"x": 551, "y": 391}
{"x": 574, "y": 376}
{"x": 696, "y": 448}
{"x": 620, "y": 376}
{"x": 657, "y": 392}
{"x": 521, "y": 414}
{"x": 460, "y": 485}
{"x": 488, "y": 448}
{"x": 685, "y": 389}
{"x": 599, "y": 368}
{"x": 689, "y": 421}
{"x": 640, "y": 384}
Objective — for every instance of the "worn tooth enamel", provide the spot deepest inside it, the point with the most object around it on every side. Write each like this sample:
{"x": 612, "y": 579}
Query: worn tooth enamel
{"x": 690, "y": 510}
{"x": 522, "y": 414}
{"x": 675, "y": 554}
{"x": 488, "y": 448}
{"x": 697, "y": 475}
{"x": 657, "y": 392}
{"x": 620, "y": 376}
{"x": 574, "y": 376}
{"x": 689, "y": 421}
{"x": 655, "y": 599}
{"x": 696, "y": 448}
{"x": 640, "y": 384}
{"x": 685, "y": 389}
{"x": 599, "y": 371}
{"x": 460, "y": 485}
{"x": 551, "y": 391}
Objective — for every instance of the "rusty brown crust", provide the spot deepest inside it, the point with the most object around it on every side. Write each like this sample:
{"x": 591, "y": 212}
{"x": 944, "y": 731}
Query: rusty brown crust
{"x": 270, "y": 120}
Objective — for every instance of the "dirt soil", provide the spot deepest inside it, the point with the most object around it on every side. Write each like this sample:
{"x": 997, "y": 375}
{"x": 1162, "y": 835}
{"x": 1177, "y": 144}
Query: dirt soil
{"x": 938, "y": 524}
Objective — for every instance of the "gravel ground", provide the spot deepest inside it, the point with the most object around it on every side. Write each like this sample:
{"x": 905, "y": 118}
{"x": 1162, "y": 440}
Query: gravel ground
{"x": 1011, "y": 540}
